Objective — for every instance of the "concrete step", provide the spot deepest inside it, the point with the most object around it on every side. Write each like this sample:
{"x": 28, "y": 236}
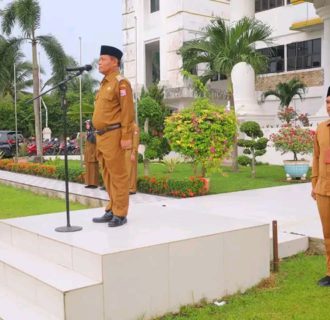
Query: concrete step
{"x": 54, "y": 250}
{"x": 13, "y": 307}
{"x": 49, "y": 286}
{"x": 289, "y": 244}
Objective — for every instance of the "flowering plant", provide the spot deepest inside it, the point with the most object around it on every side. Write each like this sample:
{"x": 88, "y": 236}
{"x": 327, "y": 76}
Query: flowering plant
{"x": 289, "y": 115}
{"x": 203, "y": 132}
{"x": 294, "y": 139}
{"x": 181, "y": 188}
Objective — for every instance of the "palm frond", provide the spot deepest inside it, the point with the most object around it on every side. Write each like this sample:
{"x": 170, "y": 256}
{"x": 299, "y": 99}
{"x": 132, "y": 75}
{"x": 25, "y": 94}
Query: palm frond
{"x": 8, "y": 18}
{"x": 56, "y": 55}
{"x": 28, "y": 16}
{"x": 270, "y": 93}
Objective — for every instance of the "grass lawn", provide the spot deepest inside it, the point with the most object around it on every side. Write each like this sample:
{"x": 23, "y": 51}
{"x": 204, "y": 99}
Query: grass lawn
{"x": 291, "y": 294}
{"x": 228, "y": 181}
{"x": 19, "y": 203}
{"x": 267, "y": 176}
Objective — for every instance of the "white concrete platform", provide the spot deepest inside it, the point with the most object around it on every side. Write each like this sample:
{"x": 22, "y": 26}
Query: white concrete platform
{"x": 162, "y": 259}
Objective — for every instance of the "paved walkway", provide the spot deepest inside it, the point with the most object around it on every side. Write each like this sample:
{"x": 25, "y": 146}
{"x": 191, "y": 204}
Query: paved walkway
{"x": 74, "y": 188}
{"x": 291, "y": 205}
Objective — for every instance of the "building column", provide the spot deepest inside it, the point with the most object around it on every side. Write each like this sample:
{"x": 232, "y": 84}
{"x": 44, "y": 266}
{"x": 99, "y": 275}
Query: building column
{"x": 240, "y": 9}
{"x": 323, "y": 11}
{"x": 243, "y": 75}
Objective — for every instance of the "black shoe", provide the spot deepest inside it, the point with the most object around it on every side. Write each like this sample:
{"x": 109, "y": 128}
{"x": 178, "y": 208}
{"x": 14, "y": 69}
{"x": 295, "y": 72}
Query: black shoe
{"x": 132, "y": 192}
{"x": 324, "y": 282}
{"x": 91, "y": 186}
{"x": 107, "y": 217}
{"x": 102, "y": 188}
{"x": 117, "y": 221}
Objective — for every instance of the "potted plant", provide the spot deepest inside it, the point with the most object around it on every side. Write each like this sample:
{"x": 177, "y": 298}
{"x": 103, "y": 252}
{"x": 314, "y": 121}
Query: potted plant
{"x": 299, "y": 141}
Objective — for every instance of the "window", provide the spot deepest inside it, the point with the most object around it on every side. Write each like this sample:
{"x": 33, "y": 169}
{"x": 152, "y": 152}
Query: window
{"x": 154, "y": 5}
{"x": 193, "y": 71}
{"x": 152, "y": 60}
{"x": 218, "y": 77}
{"x": 262, "y": 5}
{"x": 304, "y": 55}
{"x": 275, "y": 58}
{"x": 155, "y": 70}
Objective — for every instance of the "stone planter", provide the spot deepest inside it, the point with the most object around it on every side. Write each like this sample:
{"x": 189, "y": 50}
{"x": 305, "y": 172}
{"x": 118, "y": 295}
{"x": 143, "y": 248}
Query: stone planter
{"x": 296, "y": 169}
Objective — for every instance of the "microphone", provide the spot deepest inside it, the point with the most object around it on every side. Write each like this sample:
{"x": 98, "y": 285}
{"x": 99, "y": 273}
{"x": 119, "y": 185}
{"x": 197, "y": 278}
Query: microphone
{"x": 87, "y": 67}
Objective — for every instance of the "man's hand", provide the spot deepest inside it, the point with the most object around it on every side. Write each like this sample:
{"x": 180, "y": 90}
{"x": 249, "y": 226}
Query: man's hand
{"x": 126, "y": 144}
{"x": 313, "y": 194}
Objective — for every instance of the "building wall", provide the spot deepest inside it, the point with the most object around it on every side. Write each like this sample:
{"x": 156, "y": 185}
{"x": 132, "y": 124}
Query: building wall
{"x": 178, "y": 21}
{"x": 281, "y": 19}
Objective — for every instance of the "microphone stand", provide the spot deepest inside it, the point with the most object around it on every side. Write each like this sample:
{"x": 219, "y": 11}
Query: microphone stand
{"x": 64, "y": 105}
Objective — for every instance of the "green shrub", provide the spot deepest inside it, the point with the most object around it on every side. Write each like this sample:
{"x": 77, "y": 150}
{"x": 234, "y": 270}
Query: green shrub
{"x": 140, "y": 158}
{"x": 170, "y": 164}
{"x": 23, "y": 150}
{"x": 244, "y": 161}
{"x": 255, "y": 145}
{"x": 203, "y": 132}
{"x": 75, "y": 174}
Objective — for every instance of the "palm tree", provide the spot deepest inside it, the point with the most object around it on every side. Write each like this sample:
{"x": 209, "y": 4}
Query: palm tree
{"x": 222, "y": 46}
{"x": 285, "y": 91}
{"x": 11, "y": 54}
{"x": 26, "y": 13}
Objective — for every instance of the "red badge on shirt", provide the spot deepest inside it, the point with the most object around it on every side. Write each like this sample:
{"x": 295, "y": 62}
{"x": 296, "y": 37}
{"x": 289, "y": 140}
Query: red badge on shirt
{"x": 327, "y": 156}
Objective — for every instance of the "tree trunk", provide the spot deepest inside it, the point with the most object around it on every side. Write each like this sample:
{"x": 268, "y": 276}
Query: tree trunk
{"x": 234, "y": 154}
{"x": 36, "y": 103}
{"x": 195, "y": 168}
{"x": 146, "y": 166}
{"x": 146, "y": 125}
{"x": 295, "y": 158}
{"x": 253, "y": 165}
{"x": 203, "y": 171}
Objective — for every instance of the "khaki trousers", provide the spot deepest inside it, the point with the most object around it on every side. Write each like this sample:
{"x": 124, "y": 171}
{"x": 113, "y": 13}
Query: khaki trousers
{"x": 92, "y": 173}
{"x": 131, "y": 169}
{"x": 323, "y": 204}
{"x": 115, "y": 177}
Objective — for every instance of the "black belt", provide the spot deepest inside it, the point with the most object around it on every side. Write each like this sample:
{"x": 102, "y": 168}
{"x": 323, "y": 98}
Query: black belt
{"x": 108, "y": 128}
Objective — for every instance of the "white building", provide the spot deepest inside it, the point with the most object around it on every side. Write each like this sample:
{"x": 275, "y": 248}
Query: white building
{"x": 155, "y": 29}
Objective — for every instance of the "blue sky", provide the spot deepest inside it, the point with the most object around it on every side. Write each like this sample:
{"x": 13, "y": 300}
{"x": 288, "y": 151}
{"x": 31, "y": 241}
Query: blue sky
{"x": 97, "y": 22}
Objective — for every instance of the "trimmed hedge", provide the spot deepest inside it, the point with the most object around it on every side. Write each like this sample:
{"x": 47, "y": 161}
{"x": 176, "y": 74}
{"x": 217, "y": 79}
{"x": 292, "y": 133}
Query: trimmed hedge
{"x": 194, "y": 186}
{"x": 43, "y": 170}
{"x": 191, "y": 187}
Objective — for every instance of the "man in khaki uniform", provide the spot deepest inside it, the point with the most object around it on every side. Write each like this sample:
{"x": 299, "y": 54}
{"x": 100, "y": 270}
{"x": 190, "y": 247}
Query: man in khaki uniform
{"x": 113, "y": 118}
{"x": 132, "y": 159}
{"x": 321, "y": 183}
{"x": 91, "y": 163}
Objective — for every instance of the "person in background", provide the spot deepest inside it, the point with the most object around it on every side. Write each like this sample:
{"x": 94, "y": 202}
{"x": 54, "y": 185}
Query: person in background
{"x": 321, "y": 183}
{"x": 91, "y": 163}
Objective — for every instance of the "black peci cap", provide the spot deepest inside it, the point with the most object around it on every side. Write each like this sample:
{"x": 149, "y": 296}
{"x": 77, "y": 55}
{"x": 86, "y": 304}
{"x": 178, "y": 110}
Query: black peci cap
{"x": 328, "y": 94}
{"x": 111, "y": 51}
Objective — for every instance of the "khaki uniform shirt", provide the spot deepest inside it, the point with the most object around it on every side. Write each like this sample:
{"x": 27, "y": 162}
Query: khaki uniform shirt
{"x": 114, "y": 104}
{"x": 321, "y": 170}
{"x": 136, "y": 138}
